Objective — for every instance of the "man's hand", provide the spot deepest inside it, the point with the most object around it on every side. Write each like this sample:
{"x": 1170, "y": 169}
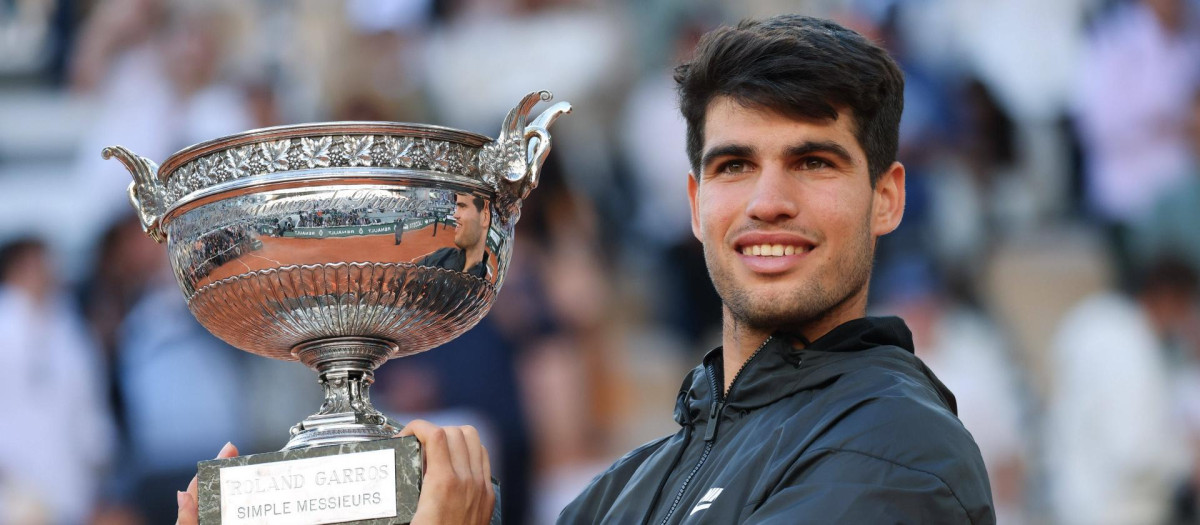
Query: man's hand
{"x": 457, "y": 486}
{"x": 189, "y": 510}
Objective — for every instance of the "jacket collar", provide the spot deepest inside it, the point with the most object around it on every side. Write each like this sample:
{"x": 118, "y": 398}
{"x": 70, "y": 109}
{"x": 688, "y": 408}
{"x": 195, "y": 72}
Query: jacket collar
{"x": 783, "y": 367}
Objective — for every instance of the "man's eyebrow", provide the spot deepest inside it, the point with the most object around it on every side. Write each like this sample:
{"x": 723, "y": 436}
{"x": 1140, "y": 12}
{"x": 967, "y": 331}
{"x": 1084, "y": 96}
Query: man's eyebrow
{"x": 726, "y": 150}
{"x": 824, "y": 146}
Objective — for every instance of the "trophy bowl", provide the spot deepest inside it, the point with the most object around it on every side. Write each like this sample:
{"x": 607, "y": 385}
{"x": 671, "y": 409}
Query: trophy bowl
{"x": 342, "y": 244}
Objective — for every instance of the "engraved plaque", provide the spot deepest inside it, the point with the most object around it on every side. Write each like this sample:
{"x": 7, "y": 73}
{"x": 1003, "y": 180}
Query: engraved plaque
{"x": 371, "y": 482}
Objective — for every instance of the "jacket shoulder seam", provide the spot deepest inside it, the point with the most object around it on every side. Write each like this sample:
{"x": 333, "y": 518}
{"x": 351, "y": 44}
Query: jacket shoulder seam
{"x": 901, "y": 465}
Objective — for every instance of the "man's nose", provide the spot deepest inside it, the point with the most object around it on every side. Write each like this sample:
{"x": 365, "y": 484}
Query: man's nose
{"x": 773, "y": 198}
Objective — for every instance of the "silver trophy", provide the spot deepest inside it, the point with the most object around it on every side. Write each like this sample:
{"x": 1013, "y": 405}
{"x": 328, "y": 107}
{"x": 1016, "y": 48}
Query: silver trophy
{"x": 340, "y": 245}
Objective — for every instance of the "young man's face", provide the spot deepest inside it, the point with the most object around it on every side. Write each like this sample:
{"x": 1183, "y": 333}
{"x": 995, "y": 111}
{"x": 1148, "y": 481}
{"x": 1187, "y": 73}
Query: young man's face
{"x": 470, "y": 222}
{"x": 787, "y": 214}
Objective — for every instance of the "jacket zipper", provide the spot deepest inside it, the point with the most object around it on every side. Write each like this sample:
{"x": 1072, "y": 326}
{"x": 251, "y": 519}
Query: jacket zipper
{"x": 710, "y": 428}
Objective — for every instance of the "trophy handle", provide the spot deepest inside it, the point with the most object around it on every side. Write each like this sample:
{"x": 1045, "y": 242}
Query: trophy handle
{"x": 146, "y": 192}
{"x": 512, "y": 133}
{"x": 514, "y": 160}
{"x": 538, "y": 139}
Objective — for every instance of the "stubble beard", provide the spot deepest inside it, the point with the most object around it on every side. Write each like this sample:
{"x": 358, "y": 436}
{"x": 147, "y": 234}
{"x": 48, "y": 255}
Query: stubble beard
{"x": 803, "y": 303}
{"x": 465, "y": 238}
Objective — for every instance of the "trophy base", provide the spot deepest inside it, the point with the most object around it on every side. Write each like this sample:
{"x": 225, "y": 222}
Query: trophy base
{"x": 369, "y": 482}
{"x": 334, "y": 432}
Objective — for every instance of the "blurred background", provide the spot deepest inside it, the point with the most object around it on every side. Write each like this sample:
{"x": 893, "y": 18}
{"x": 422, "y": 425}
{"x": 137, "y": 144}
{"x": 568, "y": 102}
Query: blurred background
{"x": 1046, "y": 263}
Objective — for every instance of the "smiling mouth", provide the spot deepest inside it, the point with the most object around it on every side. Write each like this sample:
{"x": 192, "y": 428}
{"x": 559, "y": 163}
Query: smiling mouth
{"x": 773, "y": 250}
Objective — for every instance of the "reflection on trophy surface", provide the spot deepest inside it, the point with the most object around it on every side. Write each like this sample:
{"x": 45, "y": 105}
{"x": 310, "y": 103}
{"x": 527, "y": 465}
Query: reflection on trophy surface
{"x": 469, "y": 254}
{"x": 320, "y": 243}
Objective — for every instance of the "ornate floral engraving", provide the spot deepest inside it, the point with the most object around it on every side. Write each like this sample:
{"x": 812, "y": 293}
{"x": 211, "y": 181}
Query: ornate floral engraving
{"x": 239, "y": 160}
{"x": 224, "y": 167}
{"x": 411, "y": 153}
{"x": 489, "y": 163}
{"x": 384, "y": 151}
{"x": 257, "y": 164}
{"x": 184, "y": 173}
{"x": 360, "y": 149}
{"x": 276, "y": 154}
{"x": 496, "y": 162}
{"x": 314, "y": 152}
{"x": 338, "y": 154}
{"x": 439, "y": 155}
{"x": 470, "y": 161}
{"x": 200, "y": 175}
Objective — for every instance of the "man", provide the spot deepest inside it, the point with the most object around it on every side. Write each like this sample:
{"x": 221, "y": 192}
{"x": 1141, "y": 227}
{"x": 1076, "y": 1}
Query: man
{"x": 470, "y": 239}
{"x": 809, "y": 412}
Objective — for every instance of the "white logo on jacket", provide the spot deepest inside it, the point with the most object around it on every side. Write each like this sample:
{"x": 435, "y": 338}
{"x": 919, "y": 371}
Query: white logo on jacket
{"x": 707, "y": 500}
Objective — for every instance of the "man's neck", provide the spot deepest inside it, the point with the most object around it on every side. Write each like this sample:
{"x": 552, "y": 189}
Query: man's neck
{"x": 739, "y": 341}
{"x": 472, "y": 257}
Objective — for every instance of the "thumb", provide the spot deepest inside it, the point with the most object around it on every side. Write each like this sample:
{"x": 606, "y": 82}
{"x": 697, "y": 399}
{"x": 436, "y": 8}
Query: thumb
{"x": 189, "y": 512}
{"x": 227, "y": 451}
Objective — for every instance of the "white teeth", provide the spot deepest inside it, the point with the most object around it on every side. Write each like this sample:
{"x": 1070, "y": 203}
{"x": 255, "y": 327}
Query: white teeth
{"x": 771, "y": 250}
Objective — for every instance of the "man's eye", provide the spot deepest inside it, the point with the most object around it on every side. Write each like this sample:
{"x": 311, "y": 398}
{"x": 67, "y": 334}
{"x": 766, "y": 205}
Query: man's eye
{"x": 814, "y": 163}
{"x": 733, "y": 166}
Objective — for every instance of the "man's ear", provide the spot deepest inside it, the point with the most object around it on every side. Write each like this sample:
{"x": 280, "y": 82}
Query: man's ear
{"x": 694, "y": 187}
{"x": 888, "y": 204}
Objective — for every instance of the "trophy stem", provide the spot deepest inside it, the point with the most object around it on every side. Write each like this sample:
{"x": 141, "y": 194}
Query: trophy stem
{"x": 345, "y": 367}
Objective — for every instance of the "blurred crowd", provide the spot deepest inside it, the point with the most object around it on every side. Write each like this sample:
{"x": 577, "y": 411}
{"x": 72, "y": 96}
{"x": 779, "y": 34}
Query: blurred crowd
{"x": 1047, "y": 263}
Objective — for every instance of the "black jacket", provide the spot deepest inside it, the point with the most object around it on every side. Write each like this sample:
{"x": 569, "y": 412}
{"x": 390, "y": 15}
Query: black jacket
{"x": 851, "y": 429}
{"x": 452, "y": 258}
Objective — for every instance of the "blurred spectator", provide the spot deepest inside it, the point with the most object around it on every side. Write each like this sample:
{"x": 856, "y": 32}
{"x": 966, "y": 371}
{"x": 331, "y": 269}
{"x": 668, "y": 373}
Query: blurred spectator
{"x": 557, "y": 303}
{"x": 486, "y": 55}
{"x": 185, "y": 394}
{"x": 155, "y": 69}
{"x": 658, "y": 236}
{"x": 1114, "y": 451}
{"x": 382, "y": 59}
{"x": 1136, "y": 81}
{"x": 124, "y": 258}
{"x": 516, "y": 47}
{"x": 1171, "y": 229}
{"x": 652, "y": 140}
{"x": 57, "y": 439}
{"x": 1172, "y": 224}
{"x": 1184, "y": 375}
{"x": 977, "y": 195}
{"x": 1025, "y": 50}
{"x": 1185, "y": 379}
{"x": 31, "y": 38}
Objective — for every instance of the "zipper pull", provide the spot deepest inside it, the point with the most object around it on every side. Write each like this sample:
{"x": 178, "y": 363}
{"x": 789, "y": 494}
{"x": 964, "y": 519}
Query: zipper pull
{"x": 714, "y": 414}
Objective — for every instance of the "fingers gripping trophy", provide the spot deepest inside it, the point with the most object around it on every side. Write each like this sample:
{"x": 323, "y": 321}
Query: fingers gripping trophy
{"x": 308, "y": 243}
